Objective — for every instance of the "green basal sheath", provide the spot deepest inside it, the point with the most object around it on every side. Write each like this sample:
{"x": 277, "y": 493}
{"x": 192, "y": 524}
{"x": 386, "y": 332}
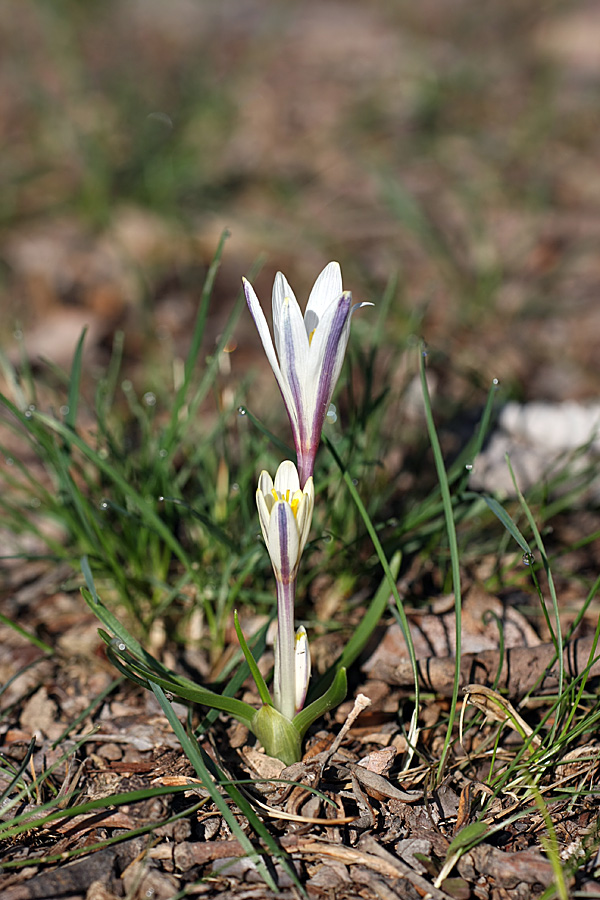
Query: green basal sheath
{"x": 277, "y": 734}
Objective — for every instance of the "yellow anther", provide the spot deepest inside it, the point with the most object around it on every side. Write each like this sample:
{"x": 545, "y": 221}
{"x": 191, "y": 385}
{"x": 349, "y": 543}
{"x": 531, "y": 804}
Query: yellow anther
{"x": 311, "y": 335}
{"x": 285, "y": 497}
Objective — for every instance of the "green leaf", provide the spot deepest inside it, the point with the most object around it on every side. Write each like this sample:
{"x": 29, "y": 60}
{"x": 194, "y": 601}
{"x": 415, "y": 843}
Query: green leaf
{"x": 277, "y": 442}
{"x": 170, "y": 439}
{"x": 508, "y": 523}
{"x": 74, "y": 383}
{"x": 115, "y": 627}
{"x": 32, "y": 638}
{"x": 192, "y": 751}
{"x": 143, "y": 674}
{"x": 382, "y": 559}
{"x": 467, "y": 837}
{"x": 365, "y": 629}
{"x": 454, "y": 555}
{"x": 259, "y": 681}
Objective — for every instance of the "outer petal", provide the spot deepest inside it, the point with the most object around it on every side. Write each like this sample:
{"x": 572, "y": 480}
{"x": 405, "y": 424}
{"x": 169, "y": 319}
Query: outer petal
{"x": 283, "y": 541}
{"x": 264, "y": 516}
{"x": 293, "y": 355}
{"x": 282, "y": 292}
{"x": 326, "y": 289}
{"x": 302, "y": 655}
{"x": 265, "y": 482}
{"x": 286, "y": 478}
{"x": 267, "y": 342}
{"x": 304, "y": 513}
{"x": 326, "y": 359}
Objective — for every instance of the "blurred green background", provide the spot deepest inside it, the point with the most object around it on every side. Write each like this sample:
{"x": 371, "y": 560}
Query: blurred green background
{"x": 453, "y": 145}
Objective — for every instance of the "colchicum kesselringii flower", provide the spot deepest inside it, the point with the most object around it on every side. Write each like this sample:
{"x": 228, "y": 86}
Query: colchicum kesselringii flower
{"x": 285, "y": 513}
{"x": 310, "y": 353}
{"x": 309, "y": 357}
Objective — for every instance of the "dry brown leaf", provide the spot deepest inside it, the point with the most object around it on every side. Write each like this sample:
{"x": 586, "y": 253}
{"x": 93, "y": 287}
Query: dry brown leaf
{"x": 434, "y": 634}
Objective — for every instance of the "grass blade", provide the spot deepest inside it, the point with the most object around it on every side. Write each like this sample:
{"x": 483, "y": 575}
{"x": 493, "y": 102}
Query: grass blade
{"x": 363, "y": 632}
{"x": 75, "y": 383}
{"x": 192, "y": 751}
{"x": 259, "y": 681}
{"x": 453, "y": 545}
{"x": 506, "y": 520}
{"x": 391, "y": 580}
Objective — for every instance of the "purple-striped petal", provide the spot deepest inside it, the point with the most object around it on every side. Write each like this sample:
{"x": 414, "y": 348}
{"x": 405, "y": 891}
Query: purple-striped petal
{"x": 293, "y": 357}
{"x": 328, "y": 349}
{"x": 282, "y": 293}
{"x": 283, "y": 541}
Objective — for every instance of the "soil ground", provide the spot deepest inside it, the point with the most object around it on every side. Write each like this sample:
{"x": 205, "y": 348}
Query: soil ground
{"x": 455, "y": 146}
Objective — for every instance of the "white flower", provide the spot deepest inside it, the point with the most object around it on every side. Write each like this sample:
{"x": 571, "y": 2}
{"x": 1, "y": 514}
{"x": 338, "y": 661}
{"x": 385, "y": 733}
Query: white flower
{"x": 285, "y": 513}
{"x": 310, "y": 352}
{"x": 302, "y": 666}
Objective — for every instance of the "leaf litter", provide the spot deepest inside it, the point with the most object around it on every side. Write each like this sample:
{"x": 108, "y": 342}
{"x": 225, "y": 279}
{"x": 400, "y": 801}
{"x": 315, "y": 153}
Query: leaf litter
{"x": 403, "y": 829}
{"x": 346, "y": 814}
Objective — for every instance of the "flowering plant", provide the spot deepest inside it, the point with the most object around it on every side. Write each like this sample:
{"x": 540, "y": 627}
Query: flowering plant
{"x": 307, "y": 364}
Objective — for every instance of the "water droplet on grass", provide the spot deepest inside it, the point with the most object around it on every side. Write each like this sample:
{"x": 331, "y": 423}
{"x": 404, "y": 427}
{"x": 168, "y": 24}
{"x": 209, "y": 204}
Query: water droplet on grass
{"x": 496, "y": 382}
{"x": 332, "y": 414}
{"x": 64, "y": 410}
{"x": 469, "y": 467}
{"x": 161, "y": 118}
{"x": 104, "y": 504}
{"x": 118, "y": 645}
{"x": 162, "y": 453}
{"x": 150, "y": 398}
{"x": 9, "y": 461}
{"x": 527, "y": 559}
{"x": 241, "y": 410}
